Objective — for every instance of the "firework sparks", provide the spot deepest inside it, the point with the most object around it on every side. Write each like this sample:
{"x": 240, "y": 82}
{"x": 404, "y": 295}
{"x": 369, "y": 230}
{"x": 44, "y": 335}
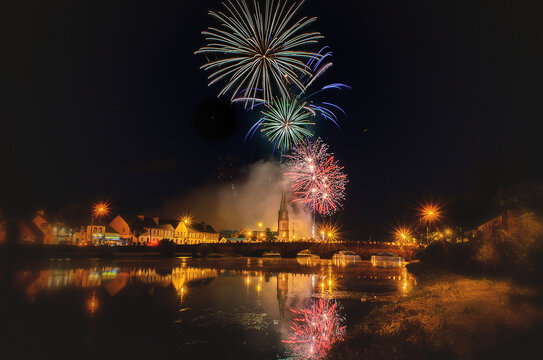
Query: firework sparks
{"x": 322, "y": 108}
{"x": 315, "y": 329}
{"x": 316, "y": 178}
{"x": 285, "y": 122}
{"x": 259, "y": 49}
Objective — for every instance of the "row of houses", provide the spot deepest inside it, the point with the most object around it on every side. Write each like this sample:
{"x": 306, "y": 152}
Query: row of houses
{"x": 116, "y": 230}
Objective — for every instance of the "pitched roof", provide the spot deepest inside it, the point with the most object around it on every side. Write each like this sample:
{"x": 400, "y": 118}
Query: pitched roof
{"x": 202, "y": 227}
{"x": 172, "y": 222}
{"x": 167, "y": 226}
{"x": 135, "y": 221}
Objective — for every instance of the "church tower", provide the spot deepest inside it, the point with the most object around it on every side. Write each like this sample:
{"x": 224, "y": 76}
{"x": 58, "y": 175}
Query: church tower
{"x": 282, "y": 221}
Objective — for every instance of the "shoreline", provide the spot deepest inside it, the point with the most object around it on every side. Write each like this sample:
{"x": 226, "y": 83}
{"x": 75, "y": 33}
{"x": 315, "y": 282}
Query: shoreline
{"x": 449, "y": 316}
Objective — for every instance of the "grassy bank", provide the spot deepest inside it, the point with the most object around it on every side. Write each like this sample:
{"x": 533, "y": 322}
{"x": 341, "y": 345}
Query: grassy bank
{"x": 450, "y": 316}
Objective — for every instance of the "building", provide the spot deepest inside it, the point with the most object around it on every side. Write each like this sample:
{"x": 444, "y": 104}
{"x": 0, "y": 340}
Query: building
{"x": 141, "y": 230}
{"x": 201, "y": 233}
{"x": 186, "y": 232}
{"x": 112, "y": 237}
{"x": 181, "y": 231}
{"x": 45, "y": 228}
{"x": 153, "y": 232}
{"x": 125, "y": 226}
{"x": 495, "y": 227}
{"x": 282, "y": 220}
{"x": 92, "y": 234}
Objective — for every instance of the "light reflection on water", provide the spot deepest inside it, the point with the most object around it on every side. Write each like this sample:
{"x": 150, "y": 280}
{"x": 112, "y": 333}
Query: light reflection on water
{"x": 236, "y": 307}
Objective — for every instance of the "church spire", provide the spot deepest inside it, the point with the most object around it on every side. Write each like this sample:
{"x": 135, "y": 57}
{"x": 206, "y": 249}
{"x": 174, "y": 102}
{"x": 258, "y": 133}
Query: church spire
{"x": 282, "y": 220}
{"x": 283, "y": 206}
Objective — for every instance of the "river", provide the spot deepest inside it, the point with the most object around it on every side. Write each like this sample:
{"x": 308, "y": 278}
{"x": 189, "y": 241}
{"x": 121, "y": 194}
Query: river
{"x": 182, "y": 308}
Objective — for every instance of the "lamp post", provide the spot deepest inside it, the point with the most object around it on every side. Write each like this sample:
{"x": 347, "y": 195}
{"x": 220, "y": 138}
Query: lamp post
{"x": 429, "y": 213}
{"x": 100, "y": 209}
{"x": 186, "y": 220}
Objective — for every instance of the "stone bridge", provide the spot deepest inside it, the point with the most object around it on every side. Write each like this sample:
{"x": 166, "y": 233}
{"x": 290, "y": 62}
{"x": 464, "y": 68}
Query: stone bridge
{"x": 290, "y": 249}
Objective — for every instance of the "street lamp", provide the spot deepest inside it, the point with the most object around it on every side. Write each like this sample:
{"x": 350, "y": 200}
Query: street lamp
{"x": 100, "y": 209}
{"x": 430, "y": 213}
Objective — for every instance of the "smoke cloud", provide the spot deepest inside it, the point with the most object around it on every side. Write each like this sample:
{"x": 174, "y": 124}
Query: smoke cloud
{"x": 243, "y": 202}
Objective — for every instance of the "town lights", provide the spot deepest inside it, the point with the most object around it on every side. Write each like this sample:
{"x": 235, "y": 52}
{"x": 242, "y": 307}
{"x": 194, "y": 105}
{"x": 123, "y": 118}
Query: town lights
{"x": 402, "y": 234}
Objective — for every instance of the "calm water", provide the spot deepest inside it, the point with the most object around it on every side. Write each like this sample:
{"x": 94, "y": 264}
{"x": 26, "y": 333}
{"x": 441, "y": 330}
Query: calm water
{"x": 226, "y": 308}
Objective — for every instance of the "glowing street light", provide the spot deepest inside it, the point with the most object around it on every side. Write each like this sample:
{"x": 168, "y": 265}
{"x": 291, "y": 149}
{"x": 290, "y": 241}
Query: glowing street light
{"x": 430, "y": 212}
{"x": 100, "y": 209}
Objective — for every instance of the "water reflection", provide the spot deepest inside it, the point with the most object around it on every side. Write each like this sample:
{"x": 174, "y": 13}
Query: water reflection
{"x": 111, "y": 279}
{"x": 241, "y": 304}
{"x": 315, "y": 329}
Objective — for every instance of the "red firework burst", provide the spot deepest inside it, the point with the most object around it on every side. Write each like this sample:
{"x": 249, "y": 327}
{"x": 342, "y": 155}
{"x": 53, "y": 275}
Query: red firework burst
{"x": 316, "y": 178}
{"x": 315, "y": 329}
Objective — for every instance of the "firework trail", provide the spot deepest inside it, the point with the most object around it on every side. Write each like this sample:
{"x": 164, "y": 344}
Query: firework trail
{"x": 259, "y": 49}
{"x": 315, "y": 329}
{"x": 316, "y": 177}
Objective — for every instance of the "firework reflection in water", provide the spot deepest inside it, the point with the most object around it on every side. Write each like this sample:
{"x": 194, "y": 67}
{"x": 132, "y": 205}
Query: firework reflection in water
{"x": 315, "y": 329}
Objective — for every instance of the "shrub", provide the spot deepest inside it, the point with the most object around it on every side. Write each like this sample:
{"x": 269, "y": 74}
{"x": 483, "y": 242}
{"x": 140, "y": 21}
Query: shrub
{"x": 166, "y": 247}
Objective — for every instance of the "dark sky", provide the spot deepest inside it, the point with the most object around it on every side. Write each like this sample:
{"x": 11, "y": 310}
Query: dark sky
{"x": 105, "y": 99}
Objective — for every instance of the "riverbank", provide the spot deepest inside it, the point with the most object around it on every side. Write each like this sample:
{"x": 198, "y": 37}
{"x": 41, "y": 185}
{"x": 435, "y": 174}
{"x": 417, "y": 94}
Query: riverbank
{"x": 450, "y": 316}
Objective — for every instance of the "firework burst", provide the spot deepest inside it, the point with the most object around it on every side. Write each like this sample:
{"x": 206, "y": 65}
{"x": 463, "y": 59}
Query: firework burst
{"x": 315, "y": 329}
{"x": 285, "y": 122}
{"x": 316, "y": 177}
{"x": 259, "y": 49}
{"x": 288, "y": 120}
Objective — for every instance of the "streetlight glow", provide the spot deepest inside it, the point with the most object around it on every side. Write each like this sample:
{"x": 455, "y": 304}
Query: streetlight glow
{"x": 100, "y": 209}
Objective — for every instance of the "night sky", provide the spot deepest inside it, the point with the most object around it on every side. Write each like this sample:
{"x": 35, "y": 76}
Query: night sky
{"x": 105, "y": 100}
